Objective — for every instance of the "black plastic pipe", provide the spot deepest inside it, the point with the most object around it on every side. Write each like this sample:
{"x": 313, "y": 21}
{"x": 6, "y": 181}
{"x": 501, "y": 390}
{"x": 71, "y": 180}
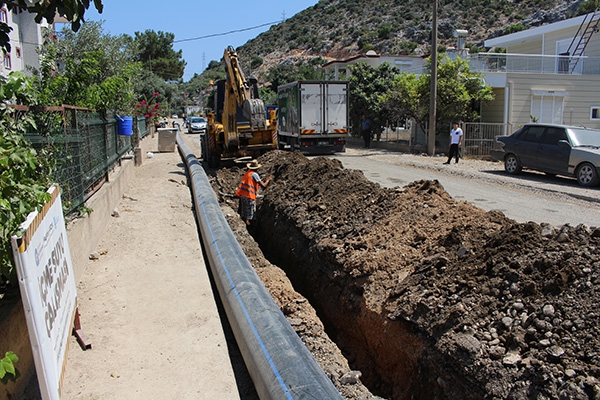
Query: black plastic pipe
{"x": 279, "y": 363}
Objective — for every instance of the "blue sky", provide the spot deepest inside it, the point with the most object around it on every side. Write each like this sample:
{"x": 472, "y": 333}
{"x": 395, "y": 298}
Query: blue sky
{"x": 190, "y": 19}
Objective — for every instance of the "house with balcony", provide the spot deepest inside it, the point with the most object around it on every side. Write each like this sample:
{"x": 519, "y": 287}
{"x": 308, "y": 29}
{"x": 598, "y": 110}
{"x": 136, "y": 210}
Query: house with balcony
{"x": 549, "y": 73}
{"x": 25, "y": 38}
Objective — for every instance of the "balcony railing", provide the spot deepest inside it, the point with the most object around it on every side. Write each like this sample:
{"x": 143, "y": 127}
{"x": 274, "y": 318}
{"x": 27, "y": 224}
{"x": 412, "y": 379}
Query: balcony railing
{"x": 527, "y": 63}
{"x": 534, "y": 64}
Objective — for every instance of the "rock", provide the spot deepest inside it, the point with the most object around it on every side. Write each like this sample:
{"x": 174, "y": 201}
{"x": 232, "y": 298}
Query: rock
{"x": 507, "y": 321}
{"x": 496, "y": 352}
{"x": 115, "y": 213}
{"x": 513, "y": 288}
{"x": 545, "y": 343}
{"x": 542, "y": 325}
{"x": 468, "y": 343}
{"x": 518, "y": 306}
{"x": 570, "y": 373}
{"x": 547, "y": 231}
{"x": 548, "y": 310}
{"x": 94, "y": 256}
{"x": 555, "y": 352}
{"x": 351, "y": 377}
{"x": 511, "y": 359}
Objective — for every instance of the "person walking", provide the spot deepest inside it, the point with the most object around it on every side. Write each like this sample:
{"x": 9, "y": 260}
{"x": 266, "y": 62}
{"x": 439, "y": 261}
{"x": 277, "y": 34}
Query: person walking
{"x": 456, "y": 135}
{"x": 366, "y": 130}
{"x": 248, "y": 190}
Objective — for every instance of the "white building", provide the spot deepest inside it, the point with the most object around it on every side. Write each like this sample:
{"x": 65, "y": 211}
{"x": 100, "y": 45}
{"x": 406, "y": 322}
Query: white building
{"x": 25, "y": 38}
{"x": 338, "y": 69}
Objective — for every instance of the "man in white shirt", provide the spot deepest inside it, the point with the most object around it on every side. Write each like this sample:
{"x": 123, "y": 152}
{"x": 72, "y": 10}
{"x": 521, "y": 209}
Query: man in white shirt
{"x": 456, "y": 135}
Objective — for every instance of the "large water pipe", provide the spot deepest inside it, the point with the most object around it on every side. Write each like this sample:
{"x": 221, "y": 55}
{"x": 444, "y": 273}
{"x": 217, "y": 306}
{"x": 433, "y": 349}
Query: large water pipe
{"x": 279, "y": 363}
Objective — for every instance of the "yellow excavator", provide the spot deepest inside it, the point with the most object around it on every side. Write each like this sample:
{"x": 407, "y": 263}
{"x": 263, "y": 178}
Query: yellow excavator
{"x": 238, "y": 127}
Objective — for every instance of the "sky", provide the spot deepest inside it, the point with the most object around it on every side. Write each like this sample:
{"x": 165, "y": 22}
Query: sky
{"x": 202, "y": 29}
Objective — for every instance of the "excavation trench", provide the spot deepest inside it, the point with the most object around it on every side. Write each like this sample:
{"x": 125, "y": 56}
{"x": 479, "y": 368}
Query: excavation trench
{"x": 428, "y": 297}
{"x": 396, "y": 360}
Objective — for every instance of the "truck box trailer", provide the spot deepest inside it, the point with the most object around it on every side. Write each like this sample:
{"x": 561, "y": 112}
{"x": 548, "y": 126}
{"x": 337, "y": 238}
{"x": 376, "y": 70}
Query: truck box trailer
{"x": 313, "y": 116}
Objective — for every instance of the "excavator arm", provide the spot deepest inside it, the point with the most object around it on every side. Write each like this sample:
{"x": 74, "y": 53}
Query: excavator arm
{"x": 253, "y": 109}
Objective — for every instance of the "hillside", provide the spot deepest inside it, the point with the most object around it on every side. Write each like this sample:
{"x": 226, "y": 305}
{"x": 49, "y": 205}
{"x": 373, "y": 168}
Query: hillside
{"x": 337, "y": 29}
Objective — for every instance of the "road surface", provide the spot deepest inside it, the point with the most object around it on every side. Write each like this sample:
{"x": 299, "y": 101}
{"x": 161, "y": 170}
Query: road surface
{"x": 528, "y": 197}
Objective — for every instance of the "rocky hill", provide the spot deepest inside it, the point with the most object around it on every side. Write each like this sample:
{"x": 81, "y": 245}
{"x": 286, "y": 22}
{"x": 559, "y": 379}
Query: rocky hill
{"x": 337, "y": 29}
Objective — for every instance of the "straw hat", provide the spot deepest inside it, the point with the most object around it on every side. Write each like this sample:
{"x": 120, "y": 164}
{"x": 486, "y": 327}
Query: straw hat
{"x": 253, "y": 164}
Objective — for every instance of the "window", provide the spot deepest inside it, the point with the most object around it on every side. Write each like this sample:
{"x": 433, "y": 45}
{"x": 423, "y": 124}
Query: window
{"x": 547, "y": 106}
{"x": 3, "y": 15}
{"x": 553, "y": 135}
{"x": 532, "y": 134}
{"x": 595, "y": 113}
{"x": 7, "y": 63}
{"x": 18, "y": 52}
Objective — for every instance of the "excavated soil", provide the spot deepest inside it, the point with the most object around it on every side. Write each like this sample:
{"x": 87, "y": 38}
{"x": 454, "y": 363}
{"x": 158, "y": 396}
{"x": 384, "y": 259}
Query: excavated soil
{"x": 419, "y": 295}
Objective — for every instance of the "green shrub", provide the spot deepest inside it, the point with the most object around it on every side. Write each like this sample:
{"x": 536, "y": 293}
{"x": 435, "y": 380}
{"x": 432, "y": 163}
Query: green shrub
{"x": 384, "y": 31}
{"x": 24, "y": 178}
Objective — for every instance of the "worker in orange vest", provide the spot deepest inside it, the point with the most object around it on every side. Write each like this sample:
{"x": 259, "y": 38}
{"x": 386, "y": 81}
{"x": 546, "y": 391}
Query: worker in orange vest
{"x": 248, "y": 190}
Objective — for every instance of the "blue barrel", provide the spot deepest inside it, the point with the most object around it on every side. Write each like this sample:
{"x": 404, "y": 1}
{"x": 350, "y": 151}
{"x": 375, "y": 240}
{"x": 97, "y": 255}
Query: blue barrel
{"x": 124, "y": 125}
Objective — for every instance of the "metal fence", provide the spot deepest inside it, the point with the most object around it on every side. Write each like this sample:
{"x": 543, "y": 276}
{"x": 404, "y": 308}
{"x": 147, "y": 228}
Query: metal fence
{"x": 479, "y": 138}
{"x": 83, "y": 146}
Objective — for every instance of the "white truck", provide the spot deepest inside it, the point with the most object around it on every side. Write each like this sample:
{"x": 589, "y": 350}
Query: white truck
{"x": 312, "y": 116}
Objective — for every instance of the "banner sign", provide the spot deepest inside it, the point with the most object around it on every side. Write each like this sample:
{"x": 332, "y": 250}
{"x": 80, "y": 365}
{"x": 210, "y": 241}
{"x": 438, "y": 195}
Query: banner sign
{"x": 47, "y": 282}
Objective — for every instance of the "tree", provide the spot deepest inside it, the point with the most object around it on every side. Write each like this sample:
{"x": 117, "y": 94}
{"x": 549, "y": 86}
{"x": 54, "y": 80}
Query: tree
{"x": 88, "y": 69}
{"x": 116, "y": 50}
{"x": 460, "y": 93}
{"x": 72, "y": 10}
{"x": 286, "y": 73}
{"x": 367, "y": 85}
{"x": 155, "y": 51}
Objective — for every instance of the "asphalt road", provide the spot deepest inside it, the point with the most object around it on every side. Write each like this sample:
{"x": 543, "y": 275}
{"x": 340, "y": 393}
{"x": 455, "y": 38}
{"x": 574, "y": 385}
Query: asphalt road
{"x": 530, "y": 197}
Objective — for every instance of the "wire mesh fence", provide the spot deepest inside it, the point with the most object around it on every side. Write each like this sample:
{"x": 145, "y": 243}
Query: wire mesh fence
{"x": 82, "y": 146}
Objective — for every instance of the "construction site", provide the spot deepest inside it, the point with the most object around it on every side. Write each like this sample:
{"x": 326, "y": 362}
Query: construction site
{"x": 426, "y": 296}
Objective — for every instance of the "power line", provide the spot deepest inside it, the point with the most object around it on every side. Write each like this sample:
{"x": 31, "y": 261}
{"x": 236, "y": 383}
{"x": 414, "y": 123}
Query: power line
{"x": 225, "y": 33}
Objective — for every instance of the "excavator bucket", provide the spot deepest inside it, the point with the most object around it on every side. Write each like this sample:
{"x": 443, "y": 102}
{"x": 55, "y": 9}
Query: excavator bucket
{"x": 254, "y": 110}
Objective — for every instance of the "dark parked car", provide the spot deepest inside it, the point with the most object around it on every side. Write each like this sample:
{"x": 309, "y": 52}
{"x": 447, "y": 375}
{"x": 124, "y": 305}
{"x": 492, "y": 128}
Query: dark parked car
{"x": 553, "y": 149}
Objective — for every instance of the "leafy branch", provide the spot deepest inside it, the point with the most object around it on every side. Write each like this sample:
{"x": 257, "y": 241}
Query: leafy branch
{"x": 8, "y": 372}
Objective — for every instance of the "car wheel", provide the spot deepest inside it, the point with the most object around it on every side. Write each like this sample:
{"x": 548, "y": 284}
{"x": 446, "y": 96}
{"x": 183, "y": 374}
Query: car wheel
{"x": 587, "y": 175}
{"x": 511, "y": 164}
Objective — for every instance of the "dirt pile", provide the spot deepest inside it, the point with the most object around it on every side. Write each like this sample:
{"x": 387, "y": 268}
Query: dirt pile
{"x": 427, "y": 296}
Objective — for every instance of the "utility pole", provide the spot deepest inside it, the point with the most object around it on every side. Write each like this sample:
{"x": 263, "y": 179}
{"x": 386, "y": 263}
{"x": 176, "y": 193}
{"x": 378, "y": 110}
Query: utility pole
{"x": 283, "y": 26}
{"x": 433, "y": 89}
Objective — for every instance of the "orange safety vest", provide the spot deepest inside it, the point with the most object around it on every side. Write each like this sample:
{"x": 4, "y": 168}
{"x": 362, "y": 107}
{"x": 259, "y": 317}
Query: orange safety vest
{"x": 248, "y": 187}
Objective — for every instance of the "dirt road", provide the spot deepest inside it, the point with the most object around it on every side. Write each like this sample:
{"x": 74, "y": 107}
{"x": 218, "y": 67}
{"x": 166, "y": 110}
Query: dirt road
{"x": 147, "y": 304}
{"x": 531, "y": 196}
